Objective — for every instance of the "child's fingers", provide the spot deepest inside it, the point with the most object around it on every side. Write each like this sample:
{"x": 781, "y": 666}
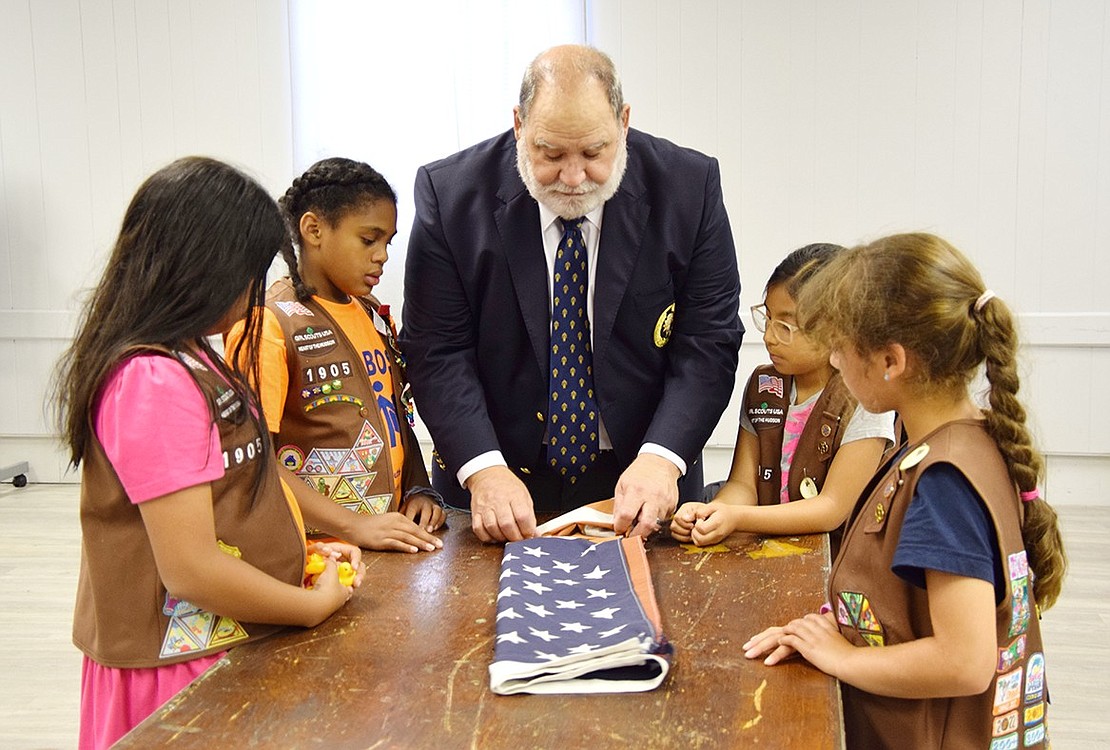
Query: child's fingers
{"x": 686, "y": 513}
{"x": 779, "y": 655}
{"x": 360, "y": 574}
{"x": 412, "y": 539}
{"x": 431, "y": 517}
{"x": 400, "y": 528}
{"x": 708, "y": 531}
{"x": 423, "y": 538}
{"x": 762, "y": 642}
{"x": 439, "y": 517}
{"x": 324, "y": 549}
{"x": 682, "y": 524}
{"x": 352, "y": 554}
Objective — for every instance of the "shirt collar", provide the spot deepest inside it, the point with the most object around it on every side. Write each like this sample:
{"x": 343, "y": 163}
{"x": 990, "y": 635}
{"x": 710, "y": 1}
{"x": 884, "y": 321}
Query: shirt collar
{"x": 549, "y": 217}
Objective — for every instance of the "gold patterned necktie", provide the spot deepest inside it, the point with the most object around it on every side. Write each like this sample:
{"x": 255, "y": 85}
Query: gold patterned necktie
{"x": 572, "y": 419}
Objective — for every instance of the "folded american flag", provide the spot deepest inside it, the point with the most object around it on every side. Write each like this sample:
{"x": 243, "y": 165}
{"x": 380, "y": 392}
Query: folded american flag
{"x": 577, "y": 615}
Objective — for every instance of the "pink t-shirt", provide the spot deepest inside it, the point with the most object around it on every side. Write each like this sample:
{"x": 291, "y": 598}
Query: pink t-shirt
{"x": 154, "y": 424}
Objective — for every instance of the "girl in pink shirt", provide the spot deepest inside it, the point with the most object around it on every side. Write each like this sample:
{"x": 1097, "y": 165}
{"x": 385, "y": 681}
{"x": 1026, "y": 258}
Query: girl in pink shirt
{"x": 178, "y": 481}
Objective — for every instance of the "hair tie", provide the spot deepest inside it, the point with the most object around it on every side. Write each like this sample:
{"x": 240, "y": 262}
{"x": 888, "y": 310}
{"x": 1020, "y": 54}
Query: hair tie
{"x": 984, "y": 298}
{"x": 1031, "y": 495}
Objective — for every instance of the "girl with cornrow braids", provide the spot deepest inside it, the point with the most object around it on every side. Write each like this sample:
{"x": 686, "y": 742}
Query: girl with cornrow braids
{"x": 951, "y": 552}
{"x": 331, "y": 378}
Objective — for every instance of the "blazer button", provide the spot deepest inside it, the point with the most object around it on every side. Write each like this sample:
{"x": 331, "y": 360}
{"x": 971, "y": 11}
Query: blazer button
{"x": 539, "y": 416}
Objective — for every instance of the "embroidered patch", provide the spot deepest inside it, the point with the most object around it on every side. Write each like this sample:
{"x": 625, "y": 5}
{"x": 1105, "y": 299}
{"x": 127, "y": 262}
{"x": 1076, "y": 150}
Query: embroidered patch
{"x": 192, "y": 629}
{"x": 842, "y": 615}
{"x": 362, "y": 482}
{"x": 1019, "y": 565}
{"x": 770, "y": 384}
{"x": 332, "y": 399}
{"x": 227, "y": 631}
{"x": 346, "y": 475}
{"x": 1034, "y": 735}
{"x": 1005, "y": 724}
{"x": 379, "y": 503}
{"x": 191, "y": 362}
{"x": 324, "y": 460}
{"x": 1034, "y": 680}
{"x": 1019, "y": 606}
{"x": 368, "y": 455}
{"x": 293, "y": 308}
{"x": 344, "y": 492}
{"x": 313, "y": 342}
{"x": 1034, "y": 713}
{"x": 1011, "y": 655}
{"x": 1009, "y": 742}
{"x": 291, "y": 457}
{"x": 368, "y": 437}
{"x": 1007, "y": 692}
{"x": 856, "y": 609}
{"x": 227, "y": 402}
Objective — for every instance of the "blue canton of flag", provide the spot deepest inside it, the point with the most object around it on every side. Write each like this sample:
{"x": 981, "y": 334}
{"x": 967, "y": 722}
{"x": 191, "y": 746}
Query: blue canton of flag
{"x": 577, "y": 616}
{"x": 770, "y": 384}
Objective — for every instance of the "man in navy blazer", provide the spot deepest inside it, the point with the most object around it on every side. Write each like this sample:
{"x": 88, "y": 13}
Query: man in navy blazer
{"x": 662, "y": 304}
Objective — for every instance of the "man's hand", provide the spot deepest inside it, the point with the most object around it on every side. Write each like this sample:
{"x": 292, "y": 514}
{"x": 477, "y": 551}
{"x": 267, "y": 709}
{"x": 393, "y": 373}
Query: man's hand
{"x": 500, "y": 506}
{"x": 646, "y": 493}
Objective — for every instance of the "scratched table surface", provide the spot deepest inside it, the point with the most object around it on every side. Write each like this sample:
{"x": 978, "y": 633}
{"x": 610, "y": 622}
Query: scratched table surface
{"x": 405, "y": 664}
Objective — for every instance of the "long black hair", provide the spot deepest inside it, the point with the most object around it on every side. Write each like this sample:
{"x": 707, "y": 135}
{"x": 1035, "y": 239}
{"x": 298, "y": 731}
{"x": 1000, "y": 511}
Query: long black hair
{"x": 196, "y": 238}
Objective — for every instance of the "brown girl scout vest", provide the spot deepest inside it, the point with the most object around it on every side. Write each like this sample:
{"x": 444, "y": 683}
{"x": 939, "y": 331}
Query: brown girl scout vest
{"x": 876, "y": 608}
{"x": 335, "y": 429}
{"x": 766, "y": 402}
{"x": 124, "y": 616}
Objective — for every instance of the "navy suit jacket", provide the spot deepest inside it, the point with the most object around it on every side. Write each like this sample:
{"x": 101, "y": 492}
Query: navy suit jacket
{"x": 476, "y": 316}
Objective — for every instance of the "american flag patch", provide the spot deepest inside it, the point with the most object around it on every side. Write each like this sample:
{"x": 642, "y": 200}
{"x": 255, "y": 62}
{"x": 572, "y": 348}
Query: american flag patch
{"x": 577, "y": 615}
{"x": 770, "y": 384}
{"x": 291, "y": 308}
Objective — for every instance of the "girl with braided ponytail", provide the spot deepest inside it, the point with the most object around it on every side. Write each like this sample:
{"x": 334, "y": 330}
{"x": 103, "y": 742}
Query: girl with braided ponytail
{"x": 950, "y": 553}
{"x": 331, "y": 378}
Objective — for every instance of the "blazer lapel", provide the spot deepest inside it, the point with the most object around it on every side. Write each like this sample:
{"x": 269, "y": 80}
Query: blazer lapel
{"x": 518, "y": 223}
{"x": 622, "y": 234}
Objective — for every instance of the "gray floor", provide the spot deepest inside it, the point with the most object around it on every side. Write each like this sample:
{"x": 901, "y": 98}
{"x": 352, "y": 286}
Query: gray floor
{"x": 39, "y": 550}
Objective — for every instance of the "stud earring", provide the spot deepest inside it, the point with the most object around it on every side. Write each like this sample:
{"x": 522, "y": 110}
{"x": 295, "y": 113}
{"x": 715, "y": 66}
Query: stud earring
{"x": 886, "y": 376}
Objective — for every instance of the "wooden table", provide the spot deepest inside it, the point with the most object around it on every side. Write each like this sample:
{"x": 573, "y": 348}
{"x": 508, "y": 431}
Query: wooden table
{"x": 405, "y": 664}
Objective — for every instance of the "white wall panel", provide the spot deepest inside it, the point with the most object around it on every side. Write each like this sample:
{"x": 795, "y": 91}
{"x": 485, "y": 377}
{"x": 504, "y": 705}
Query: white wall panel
{"x": 95, "y": 95}
{"x": 65, "y": 179}
{"x": 1071, "y": 156}
{"x": 24, "y": 234}
{"x": 836, "y": 138}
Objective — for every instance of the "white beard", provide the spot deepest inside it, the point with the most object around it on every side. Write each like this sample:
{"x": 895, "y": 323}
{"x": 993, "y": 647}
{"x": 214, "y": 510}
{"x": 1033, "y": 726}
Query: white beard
{"x": 571, "y": 203}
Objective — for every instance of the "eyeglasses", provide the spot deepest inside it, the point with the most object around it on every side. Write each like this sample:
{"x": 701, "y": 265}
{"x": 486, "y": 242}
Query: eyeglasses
{"x": 780, "y": 329}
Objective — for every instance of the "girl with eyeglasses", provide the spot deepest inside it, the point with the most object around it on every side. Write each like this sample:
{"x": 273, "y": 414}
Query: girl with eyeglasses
{"x": 803, "y": 437}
